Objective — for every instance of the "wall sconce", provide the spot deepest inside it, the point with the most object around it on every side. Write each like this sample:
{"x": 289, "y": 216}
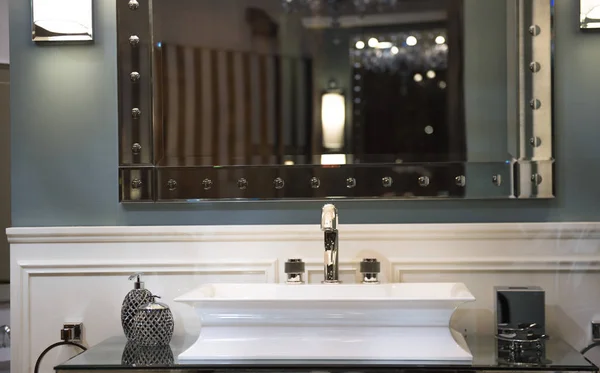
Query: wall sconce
{"x": 62, "y": 20}
{"x": 333, "y": 117}
{"x": 589, "y": 14}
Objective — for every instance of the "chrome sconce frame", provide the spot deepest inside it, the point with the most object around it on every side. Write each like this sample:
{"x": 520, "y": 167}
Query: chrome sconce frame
{"x": 135, "y": 97}
{"x": 535, "y": 164}
{"x": 62, "y": 21}
{"x": 529, "y": 174}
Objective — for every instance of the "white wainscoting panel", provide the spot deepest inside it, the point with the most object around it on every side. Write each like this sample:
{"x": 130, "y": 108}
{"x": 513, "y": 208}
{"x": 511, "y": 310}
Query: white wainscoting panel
{"x": 80, "y": 273}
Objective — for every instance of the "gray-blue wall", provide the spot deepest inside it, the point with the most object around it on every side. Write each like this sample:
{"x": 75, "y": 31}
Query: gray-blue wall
{"x": 64, "y": 143}
{"x": 4, "y": 169}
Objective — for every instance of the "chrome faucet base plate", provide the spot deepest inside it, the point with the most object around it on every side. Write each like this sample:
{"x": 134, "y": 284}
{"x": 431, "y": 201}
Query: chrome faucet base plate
{"x": 331, "y": 282}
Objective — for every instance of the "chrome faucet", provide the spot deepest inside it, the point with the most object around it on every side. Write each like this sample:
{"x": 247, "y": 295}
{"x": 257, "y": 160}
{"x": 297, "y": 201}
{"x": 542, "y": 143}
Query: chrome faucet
{"x": 329, "y": 223}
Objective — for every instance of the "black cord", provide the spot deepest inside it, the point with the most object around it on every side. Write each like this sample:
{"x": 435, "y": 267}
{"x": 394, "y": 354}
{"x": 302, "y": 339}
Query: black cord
{"x": 61, "y": 343}
{"x": 595, "y": 344}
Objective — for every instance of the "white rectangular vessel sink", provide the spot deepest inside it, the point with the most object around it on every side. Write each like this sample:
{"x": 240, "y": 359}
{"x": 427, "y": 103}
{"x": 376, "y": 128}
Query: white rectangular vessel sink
{"x": 403, "y": 321}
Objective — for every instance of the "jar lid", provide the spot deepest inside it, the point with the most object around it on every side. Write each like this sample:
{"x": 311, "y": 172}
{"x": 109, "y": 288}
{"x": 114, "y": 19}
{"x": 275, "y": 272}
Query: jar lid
{"x": 154, "y": 305}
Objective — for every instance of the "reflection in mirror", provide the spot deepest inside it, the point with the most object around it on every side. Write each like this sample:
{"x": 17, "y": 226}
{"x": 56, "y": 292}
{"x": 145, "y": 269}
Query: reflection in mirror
{"x": 62, "y": 20}
{"x": 348, "y": 84}
{"x": 269, "y": 82}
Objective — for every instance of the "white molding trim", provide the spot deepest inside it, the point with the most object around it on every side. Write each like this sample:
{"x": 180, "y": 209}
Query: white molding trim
{"x": 54, "y": 267}
{"x": 30, "y": 268}
{"x": 571, "y": 264}
{"x": 277, "y": 233}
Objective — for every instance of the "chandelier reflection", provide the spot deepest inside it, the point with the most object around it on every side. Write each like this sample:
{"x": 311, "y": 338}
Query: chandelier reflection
{"x": 401, "y": 51}
{"x": 353, "y": 6}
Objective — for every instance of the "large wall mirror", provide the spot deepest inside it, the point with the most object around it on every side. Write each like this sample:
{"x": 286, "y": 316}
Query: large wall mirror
{"x": 315, "y": 99}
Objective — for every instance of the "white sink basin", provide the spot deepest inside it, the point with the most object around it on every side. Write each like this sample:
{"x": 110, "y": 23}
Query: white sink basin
{"x": 405, "y": 321}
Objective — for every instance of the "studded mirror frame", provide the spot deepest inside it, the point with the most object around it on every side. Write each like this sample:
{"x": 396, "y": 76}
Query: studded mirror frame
{"x": 143, "y": 179}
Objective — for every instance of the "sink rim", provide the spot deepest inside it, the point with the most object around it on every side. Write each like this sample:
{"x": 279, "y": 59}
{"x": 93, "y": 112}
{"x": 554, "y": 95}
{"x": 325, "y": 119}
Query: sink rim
{"x": 197, "y": 295}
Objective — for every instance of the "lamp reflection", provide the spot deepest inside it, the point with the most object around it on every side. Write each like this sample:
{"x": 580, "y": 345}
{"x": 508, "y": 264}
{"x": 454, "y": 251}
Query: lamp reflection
{"x": 333, "y": 159}
{"x": 333, "y": 119}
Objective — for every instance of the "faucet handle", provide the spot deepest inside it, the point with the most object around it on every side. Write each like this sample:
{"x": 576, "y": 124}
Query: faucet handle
{"x": 370, "y": 269}
{"x": 329, "y": 218}
{"x": 294, "y": 269}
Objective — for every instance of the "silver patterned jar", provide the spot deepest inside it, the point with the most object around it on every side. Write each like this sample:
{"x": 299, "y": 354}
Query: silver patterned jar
{"x": 137, "y": 297}
{"x": 153, "y": 324}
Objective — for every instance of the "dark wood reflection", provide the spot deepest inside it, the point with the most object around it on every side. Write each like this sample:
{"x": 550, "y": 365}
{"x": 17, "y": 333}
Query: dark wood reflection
{"x": 225, "y": 107}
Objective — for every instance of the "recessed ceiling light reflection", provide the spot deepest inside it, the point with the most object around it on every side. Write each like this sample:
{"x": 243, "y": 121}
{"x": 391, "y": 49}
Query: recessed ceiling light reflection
{"x": 411, "y": 41}
{"x": 440, "y": 40}
{"x": 395, "y": 50}
{"x": 373, "y": 42}
{"x": 360, "y": 44}
{"x": 384, "y": 45}
{"x": 431, "y": 74}
{"x": 418, "y": 78}
{"x": 442, "y": 84}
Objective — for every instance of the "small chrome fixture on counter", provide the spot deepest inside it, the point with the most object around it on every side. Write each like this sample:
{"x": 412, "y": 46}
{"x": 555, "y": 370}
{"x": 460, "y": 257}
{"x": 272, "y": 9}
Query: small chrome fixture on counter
{"x": 523, "y": 344}
{"x": 369, "y": 269}
{"x": 153, "y": 324}
{"x": 294, "y": 269}
{"x": 137, "y": 297}
{"x": 329, "y": 223}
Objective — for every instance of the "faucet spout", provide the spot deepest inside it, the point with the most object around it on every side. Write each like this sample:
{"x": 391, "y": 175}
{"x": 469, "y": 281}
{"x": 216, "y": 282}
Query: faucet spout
{"x": 329, "y": 218}
{"x": 329, "y": 222}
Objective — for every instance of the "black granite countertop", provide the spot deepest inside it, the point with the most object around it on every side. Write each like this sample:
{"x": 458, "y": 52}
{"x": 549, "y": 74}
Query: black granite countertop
{"x": 115, "y": 354}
